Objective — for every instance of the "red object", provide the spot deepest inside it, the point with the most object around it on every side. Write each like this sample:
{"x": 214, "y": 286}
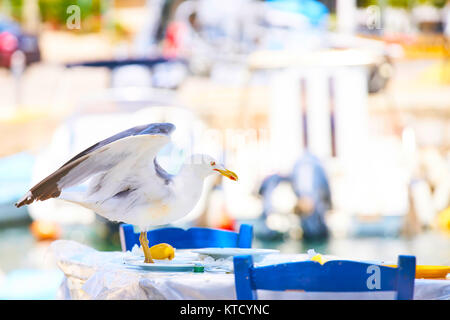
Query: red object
{"x": 173, "y": 43}
{"x": 227, "y": 223}
{"x": 43, "y": 230}
{"x": 8, "y": 44}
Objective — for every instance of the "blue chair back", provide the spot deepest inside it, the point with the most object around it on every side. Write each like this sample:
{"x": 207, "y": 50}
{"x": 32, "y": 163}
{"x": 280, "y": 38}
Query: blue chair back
{"x": 332, "y": 276}
{"x": 192, "y": 238}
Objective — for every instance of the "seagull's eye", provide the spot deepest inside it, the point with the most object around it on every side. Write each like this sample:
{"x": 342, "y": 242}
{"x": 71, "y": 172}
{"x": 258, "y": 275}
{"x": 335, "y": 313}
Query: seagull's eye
{"x": 213, "y": 163}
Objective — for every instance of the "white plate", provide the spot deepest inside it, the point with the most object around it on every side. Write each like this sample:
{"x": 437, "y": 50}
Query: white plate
{"x": 160, "y": 265}
{"x": 223, "y": 253}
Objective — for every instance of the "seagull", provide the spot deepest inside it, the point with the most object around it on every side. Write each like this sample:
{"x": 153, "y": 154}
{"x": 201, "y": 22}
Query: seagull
{"x": 125, "y": 183}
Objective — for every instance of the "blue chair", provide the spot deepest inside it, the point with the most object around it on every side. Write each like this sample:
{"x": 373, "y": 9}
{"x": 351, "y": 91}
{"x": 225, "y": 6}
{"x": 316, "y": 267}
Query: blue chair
{"x": 332, "y": 276}
{"x": 192, "y": 238}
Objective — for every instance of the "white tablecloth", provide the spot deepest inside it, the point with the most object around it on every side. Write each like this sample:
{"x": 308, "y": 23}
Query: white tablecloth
{"x": 91, "y": 274}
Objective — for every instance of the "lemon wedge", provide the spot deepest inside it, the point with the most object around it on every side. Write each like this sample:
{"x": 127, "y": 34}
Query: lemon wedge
{"x": 429, "y": 272}
{"x": 318, "y": 258}
{"x": 162, "y": 251}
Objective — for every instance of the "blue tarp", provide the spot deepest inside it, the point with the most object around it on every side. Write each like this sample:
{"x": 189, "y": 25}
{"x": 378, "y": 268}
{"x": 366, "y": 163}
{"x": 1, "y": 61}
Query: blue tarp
{"x": 315, "y": 11}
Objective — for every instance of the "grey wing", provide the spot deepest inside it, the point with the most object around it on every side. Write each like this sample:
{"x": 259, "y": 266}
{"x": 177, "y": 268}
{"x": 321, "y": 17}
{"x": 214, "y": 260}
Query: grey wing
{"x": 152, "y": 128}
{"x": 133, "y": 146}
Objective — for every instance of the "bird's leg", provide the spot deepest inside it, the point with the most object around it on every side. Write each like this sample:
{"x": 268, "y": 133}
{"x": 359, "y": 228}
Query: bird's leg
{"x": 148, "y": 258}
{"x": 144, "y": 244}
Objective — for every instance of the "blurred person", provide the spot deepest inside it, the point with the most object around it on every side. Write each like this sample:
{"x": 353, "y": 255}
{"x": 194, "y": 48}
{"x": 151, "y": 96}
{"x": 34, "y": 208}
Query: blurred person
{"x": 263, "y": 229}
{"x": 311, "y": 186}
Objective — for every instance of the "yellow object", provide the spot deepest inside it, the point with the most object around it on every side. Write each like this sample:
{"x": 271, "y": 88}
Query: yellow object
{"x": 162, "y": 251}
{"x": 437, "y": 74}
{"x": 228, "y": 173}
{"x": 318, "y": 258}
{"x": 443, "y": 220}
{"x": 429, "y": 272}
{"x": 22, "y": 115}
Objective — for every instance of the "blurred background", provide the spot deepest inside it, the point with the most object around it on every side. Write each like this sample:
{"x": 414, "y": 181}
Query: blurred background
{"x": 334, "y": 114}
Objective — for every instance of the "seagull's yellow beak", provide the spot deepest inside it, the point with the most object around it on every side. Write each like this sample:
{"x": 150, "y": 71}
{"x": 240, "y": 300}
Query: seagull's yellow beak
{"x": 228, "y": 173}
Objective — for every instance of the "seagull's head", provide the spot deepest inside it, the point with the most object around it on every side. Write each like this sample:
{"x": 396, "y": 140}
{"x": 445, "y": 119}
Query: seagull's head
{"x": 206, "y": 165}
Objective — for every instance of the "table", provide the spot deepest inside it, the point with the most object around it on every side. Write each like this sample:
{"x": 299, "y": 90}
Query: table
{"x": 91, "y": 274}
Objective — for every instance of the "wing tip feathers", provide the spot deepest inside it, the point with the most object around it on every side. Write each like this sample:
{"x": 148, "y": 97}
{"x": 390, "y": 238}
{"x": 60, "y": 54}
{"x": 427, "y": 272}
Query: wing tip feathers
{"x": 26, "y": 199}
